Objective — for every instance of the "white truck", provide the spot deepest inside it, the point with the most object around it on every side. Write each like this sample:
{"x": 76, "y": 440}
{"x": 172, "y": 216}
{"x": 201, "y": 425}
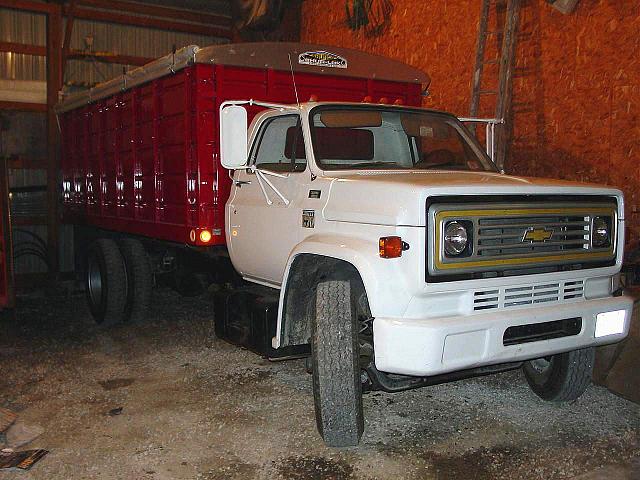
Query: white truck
{"x": 383, "y": 240}
{"x": 405, "y": 258}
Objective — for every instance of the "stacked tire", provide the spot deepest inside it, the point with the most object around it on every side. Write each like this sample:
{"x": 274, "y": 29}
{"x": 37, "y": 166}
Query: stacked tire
{"x": 118, "y": 280}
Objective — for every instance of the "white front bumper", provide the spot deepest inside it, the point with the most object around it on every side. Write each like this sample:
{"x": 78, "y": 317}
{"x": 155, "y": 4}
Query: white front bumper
{"x": 433, "y": 346}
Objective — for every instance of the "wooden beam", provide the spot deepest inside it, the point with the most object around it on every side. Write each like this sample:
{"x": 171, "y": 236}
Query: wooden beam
{"x": 148, "y": 22}
{"x": 67, "y": 36}
{"x": 38, "y": 7}
{"x": 504, "y": 131}
{"x": 54, "y": 85}
{"x": 23, "y": 107}
{"x": 39, "y": 50}
{"x": 159, "y": 11}
{"x": 106, "y": 57}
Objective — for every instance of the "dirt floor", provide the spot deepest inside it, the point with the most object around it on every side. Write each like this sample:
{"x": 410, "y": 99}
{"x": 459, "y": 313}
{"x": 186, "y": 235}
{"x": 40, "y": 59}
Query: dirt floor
{"x": 196, "y": 407}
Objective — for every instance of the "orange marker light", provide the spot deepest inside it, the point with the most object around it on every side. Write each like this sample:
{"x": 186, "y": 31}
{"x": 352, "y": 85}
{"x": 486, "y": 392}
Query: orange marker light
{"x": 205, "y": 236}
{"x": 367, "y": 99}
{"x": 313, "y": 98}
{"x": 398, "y": 101}
{"x": 391, "y": 247}
{"x": 384, "y": 100}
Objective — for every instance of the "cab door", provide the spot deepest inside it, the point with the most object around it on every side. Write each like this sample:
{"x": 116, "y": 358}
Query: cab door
{"x": 264, "y": 217}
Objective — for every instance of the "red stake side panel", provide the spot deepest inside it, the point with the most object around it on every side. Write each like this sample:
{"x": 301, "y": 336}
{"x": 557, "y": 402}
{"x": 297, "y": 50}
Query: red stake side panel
{"x": 146, "y": 161}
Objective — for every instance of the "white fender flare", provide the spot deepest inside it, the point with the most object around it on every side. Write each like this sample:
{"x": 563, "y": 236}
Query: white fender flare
{"x": 359, "y": 252}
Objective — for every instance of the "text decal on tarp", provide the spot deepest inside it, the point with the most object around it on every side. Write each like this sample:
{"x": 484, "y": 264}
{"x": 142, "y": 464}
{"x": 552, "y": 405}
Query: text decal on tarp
{"x": 322, "y": 59}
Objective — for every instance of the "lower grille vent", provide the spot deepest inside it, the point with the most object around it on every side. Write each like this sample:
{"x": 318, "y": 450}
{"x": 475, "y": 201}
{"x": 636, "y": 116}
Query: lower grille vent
{"x": 573, "y": 290}
{"x": 527, "y": 295}
{"x": 531, "y": 294}
{"x": 486, "y": 299}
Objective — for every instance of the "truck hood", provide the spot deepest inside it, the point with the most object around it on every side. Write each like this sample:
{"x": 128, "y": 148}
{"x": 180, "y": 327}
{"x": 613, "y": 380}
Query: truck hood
{"x": 399, "y": 198}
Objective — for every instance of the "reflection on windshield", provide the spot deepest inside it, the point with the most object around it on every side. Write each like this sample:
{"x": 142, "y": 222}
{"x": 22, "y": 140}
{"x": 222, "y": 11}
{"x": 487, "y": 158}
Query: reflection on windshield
{"x": 387, "y": 138}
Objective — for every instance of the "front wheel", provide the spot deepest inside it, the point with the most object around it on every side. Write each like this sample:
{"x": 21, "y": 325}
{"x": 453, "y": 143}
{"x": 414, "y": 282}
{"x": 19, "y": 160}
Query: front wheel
{"x": 563, "y": 377}
{"x": 337, "y": 388}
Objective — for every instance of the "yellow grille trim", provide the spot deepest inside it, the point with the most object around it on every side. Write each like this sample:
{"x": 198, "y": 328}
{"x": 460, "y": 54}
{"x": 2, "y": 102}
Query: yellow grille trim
{"x": 444, "y": 214}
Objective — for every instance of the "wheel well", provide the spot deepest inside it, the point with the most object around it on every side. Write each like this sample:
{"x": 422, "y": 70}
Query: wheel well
{"x": 307, "y": 270}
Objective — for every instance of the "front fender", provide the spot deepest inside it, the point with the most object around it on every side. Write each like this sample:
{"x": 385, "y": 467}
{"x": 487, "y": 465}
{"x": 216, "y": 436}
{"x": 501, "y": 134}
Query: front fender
{"x": 362, "y": 254}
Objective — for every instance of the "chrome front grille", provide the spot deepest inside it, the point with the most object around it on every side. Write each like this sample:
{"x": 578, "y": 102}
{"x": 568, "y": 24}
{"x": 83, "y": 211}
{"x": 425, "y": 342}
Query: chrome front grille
{"x": 507, "y": 297}
{"x": 520, "y": 236}
{"x": 500, "y": 236}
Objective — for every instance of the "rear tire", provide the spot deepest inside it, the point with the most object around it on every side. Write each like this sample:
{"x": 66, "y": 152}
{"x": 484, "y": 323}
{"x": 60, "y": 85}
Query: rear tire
{"x": 139, "y": 279}
{"x": 337, "y": 388}
{"x": 563, "y": 377}
{"x": 106, "y": 282}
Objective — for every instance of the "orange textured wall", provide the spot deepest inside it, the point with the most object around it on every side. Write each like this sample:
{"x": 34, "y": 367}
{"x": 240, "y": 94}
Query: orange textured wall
{"x": 576, "y": 89}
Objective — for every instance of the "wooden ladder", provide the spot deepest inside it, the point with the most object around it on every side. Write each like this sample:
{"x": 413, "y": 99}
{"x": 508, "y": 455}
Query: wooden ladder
{"x": 506, "y": 61}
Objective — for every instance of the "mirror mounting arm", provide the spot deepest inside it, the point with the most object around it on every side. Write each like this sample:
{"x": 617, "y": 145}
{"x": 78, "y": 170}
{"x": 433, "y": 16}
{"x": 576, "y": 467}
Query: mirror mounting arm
{"x": 261, "y": 176}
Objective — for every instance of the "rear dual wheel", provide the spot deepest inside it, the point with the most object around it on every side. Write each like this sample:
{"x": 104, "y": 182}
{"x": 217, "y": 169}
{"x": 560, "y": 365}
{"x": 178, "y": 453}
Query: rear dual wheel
{"x": 139, "y": 279}
{"x": 118, "y": 281}
{"x": 106, "y": 282}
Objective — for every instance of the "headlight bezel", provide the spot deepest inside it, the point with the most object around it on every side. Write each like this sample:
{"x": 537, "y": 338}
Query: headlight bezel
{"x": 607, "y": 220}
{"x": 467, "y": 249}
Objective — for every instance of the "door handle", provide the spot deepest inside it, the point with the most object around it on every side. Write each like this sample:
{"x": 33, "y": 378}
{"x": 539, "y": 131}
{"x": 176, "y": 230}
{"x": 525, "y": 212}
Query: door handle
{"x": 239, "y": 183}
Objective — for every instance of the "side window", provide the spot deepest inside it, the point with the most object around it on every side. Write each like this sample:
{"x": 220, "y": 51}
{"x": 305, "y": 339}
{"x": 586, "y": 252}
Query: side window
{"x": 280, "y": 146}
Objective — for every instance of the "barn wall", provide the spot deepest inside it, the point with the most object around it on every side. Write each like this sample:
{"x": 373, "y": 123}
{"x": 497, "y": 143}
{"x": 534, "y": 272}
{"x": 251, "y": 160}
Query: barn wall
{"x": 30, "y": 28}
{"x": 577, "y": 88}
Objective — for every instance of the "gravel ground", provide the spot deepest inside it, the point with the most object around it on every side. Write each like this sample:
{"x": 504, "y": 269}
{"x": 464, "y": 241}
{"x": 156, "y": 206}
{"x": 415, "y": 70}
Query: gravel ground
{"x": 196, "y": 407}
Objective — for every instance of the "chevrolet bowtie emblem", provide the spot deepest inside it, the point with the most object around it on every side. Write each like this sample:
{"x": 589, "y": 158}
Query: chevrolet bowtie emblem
{"x": 537, "y": 234}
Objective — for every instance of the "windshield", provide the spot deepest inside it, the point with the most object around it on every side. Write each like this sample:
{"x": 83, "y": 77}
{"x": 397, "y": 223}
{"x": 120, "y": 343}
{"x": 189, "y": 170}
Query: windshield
{"x": 348, "y": 137}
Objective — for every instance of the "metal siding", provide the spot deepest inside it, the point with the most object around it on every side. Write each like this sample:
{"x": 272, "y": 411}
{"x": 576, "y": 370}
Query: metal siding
{"x": 122, "y": 39}
{"x": 30, "y": 28}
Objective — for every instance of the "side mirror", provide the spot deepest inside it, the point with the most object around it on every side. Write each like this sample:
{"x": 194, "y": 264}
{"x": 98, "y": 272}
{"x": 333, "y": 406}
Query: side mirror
{"x": 233, "y": 137}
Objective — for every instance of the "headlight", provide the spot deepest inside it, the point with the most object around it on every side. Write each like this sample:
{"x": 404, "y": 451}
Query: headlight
{"x": 601, "y": 232}
{"x": 456, "y": 239}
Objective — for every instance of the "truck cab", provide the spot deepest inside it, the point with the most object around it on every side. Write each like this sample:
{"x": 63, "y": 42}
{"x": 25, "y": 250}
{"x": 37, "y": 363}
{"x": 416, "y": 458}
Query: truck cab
{"x": 403, "y": 256}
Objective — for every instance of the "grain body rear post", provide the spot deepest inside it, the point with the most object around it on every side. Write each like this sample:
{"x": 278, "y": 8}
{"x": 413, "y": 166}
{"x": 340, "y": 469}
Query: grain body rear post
{"x": 140, "y": 155}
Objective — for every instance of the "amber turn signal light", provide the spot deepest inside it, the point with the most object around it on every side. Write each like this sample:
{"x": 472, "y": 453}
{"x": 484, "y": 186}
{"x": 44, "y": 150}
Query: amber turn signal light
{"x": 392, "y": 247}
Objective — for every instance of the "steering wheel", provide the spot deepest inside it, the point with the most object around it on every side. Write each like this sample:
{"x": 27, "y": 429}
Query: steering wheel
{"x": 441, "y": 156}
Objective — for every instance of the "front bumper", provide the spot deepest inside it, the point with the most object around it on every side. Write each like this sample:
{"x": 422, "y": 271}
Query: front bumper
{"x": 433, "y": 346}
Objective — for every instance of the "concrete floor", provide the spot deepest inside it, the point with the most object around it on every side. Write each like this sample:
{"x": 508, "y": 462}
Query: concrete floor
{"x": 197, "y": 407}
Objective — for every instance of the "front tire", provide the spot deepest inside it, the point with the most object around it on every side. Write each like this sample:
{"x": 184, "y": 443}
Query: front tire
{"x": 106, "y": 282}
{"x": 563, "y": 377}
{"x": 337, "y": 388}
